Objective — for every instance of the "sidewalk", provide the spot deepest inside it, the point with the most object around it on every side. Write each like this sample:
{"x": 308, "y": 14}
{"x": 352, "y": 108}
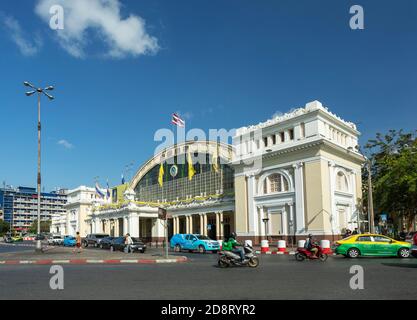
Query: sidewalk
{"x": 61, "y": 255}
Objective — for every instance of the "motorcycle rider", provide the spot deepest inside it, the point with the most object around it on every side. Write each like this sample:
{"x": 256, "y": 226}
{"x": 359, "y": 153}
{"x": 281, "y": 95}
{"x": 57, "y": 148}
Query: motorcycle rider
{"x": 309, "y": 246}
{"x": 234, "y": 246}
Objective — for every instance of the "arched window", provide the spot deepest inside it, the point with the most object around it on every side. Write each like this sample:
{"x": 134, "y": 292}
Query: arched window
{"x": 275, "y": 183}
{"x": 341, "y": 182}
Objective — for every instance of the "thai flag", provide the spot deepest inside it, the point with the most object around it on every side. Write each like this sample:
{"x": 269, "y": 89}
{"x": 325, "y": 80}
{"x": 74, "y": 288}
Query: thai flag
{"x": 176, "y": 119}
{"x": 98, "y": 191}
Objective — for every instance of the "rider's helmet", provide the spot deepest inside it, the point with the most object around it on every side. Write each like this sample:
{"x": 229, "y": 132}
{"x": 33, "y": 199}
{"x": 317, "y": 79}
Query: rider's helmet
{"x": 233, "y": 235}
{"x": 310, "y": 236}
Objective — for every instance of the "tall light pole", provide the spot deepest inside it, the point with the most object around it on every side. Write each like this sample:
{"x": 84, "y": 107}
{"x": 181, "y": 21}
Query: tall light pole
{"x": 39, "y": 91}
{"x": 370, "y": 198}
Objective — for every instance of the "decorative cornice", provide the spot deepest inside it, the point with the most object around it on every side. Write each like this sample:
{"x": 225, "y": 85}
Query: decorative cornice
{"x": 309, "y": 107}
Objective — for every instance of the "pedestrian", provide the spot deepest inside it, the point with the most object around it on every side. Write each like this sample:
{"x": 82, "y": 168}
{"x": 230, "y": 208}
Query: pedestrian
{"x": 355, "y": 231}
{"x": 128, "y": 243}
{"x": 78, "y": 246}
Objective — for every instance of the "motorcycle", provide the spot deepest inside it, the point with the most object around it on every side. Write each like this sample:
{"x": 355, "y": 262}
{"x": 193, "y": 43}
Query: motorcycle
{"x": 228, "y": 258}
{"x": 303, "y": 253}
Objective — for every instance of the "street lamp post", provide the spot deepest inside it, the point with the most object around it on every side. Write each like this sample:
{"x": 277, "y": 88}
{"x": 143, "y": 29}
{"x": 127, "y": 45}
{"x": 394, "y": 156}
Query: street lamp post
{"x": 370, "y": 199}
{"x": 39, "y": 91}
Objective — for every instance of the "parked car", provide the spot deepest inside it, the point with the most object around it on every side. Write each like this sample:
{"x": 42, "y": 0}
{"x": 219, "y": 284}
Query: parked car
{"x": 69, "y": 241}
{"x": 106, "y": 242}
{"x": 94, "y": 239}
{"x": 118, "y": 244}
{"x": 372, "y": 245}
{"x": 194, "y": 242}
{"x": 56, "y": 240}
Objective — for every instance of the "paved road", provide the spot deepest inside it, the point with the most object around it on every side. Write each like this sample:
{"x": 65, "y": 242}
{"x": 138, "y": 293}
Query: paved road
{"x": 277, "y": 277}
{"x": 8, "y": 248}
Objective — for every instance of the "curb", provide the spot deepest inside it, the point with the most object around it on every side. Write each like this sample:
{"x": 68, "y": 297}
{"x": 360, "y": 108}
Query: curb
{"x": 286, "y": 253}
{"x": 92, "y": 261}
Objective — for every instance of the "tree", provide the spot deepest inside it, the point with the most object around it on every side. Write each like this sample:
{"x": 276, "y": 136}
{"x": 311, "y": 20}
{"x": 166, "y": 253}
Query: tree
{"x": 45, "y": 226}
{"x": 393, "y": 159}
{"x": 4, "y": 227}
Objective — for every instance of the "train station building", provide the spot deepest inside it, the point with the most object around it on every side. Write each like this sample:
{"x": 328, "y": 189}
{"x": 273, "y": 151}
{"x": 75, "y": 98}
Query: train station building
{"x": 292, "y": 175}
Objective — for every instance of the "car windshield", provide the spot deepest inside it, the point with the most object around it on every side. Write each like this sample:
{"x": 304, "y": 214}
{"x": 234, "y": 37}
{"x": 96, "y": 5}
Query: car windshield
{"x": 99, "y": 236}
{"x": 57, "y": 237}
{"x": 203, "y": 238}
{"x": 136, "y": 240}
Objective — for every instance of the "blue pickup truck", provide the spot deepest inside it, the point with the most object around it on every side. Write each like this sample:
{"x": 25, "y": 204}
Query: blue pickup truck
{"x": 194, "y": 242}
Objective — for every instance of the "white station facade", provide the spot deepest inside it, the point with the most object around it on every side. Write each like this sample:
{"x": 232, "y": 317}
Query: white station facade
{"x": 292, "y": 175}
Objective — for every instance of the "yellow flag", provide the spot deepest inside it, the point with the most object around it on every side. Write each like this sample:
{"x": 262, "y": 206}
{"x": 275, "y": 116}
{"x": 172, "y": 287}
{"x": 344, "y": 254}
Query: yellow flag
{"x": 191, "y": 170}
{"x": 214, "y": 161}
{"x": 161, "y": 175}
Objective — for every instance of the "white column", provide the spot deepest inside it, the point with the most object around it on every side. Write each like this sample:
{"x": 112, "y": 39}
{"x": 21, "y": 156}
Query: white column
{"x": 291, "y": 222}
{"x": 174, "y": 223}
{"x": 134, "y": 225}
{"x": 335, "y": 224}
{"x": 217, "y": 225}
{"x": 252, "y": 210}
{"x": 299, "y": 222}
{"x": 205, "y": 224}
{"x": 259, "y": 217}
{"x": 158, "y": 229}
{"x": 191, "y": 224}
{"x": 125, "y": 225}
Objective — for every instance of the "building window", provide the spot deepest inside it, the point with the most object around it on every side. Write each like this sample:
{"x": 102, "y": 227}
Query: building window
{"x": 276, "y": 183}
{"x": 341, "y": 182}
{"x": 282, "y": 136}
{"x": 274, "y": 140}
{"x": 302, "y": 130}
{"x": 265, "y": 142}
{"x": 291, "y": 134}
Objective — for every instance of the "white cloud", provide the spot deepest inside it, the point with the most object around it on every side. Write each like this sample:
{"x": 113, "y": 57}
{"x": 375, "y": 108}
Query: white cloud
{"x": 103, "y": 20}
{"x": 65, "y": 144}
{"x": 26, "y": 46}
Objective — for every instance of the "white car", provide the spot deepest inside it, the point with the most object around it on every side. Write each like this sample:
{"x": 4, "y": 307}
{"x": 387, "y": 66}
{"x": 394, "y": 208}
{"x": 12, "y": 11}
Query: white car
{"x": 56, "y": 240}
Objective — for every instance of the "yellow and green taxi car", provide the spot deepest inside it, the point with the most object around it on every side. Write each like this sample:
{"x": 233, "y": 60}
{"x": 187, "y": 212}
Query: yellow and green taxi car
{"x": 372, "y": 245}
{"x": 17, "y": 238}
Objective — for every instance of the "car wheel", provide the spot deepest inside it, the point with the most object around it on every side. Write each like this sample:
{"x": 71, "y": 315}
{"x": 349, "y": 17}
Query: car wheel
{"x": 404, "y": 253}
{"x": 353, "y": 253}
{"x": 101, "y": 246}
{"x": 95, "y": 245}
{"x": 177, "y": 248}
{"x": 201, "y": 249}
{"x": 85, "y": 244}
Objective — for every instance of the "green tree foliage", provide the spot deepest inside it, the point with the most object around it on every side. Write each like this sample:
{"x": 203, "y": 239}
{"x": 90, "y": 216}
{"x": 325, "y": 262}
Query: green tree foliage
{"x": 45, "y": 226}
{"x": 393, "y": 159}
{"x": 4, "y": 227}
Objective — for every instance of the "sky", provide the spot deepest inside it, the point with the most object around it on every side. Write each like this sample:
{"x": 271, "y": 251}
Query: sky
{"x": 121, "y": 68}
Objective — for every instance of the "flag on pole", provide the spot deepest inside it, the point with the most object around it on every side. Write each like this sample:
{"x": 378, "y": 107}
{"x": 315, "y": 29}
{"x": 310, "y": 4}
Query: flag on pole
{"x": 161, "y": 174}
{"x": 191, "y": 170}
{"x": 123, "y": 179}
{"x": 108, "y": 190}
{"x": 215, "y": 160}
{"x": 98, "y": 191}
{"x": 176, "y": 119}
